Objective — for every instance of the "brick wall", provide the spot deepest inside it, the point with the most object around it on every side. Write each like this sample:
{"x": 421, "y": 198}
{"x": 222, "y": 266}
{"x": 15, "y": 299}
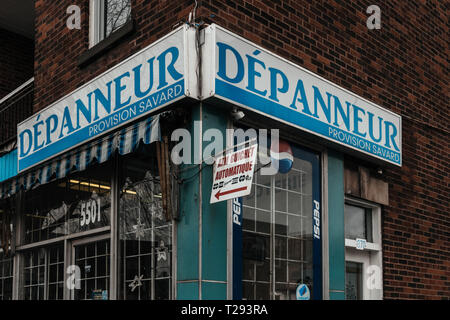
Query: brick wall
{"x": 402, "y": 67}
{"x": 16, "y": 61}
{"x": 58, "y": 48}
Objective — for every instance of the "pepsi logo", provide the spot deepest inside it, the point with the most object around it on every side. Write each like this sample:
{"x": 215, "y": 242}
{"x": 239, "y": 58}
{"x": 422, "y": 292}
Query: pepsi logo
{"x": 302, "y": 292}
{"x": 281, "y": 156}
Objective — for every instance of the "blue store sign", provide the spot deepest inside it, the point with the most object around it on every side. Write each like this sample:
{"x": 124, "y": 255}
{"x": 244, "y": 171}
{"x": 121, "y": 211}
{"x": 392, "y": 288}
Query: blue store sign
{"x": 247, "y": 75}
{"x": 139, "y": 85}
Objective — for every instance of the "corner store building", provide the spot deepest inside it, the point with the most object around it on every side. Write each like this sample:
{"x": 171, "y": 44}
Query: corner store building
{"x": 210, "y": 239}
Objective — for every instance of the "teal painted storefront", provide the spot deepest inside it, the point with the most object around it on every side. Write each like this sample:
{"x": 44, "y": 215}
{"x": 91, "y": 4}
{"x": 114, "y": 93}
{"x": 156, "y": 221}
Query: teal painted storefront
{"x": 202, "y": 269}
{"x": 202, "y": 228}
{"x": 202, "y": 232}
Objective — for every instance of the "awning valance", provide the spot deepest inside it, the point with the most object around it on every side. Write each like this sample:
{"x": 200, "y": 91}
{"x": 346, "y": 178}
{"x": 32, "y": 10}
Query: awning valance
{"x": 124, "y": 141}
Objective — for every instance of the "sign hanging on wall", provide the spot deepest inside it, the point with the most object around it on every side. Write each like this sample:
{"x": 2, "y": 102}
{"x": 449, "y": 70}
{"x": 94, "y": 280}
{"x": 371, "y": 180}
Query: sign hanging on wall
{"x": 145, "y": 82}
{"x": 240, "y": 72}
{"x": 233, "y": 174}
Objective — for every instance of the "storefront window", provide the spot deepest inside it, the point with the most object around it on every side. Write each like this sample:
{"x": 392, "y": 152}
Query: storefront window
{"x": 79, "y": 203}
{"x": 56, "y": 273}
{"x": 6, "y": 276}
{"x": 278, "y": 232}
{"x": 43, "y": 273}
{"x": 145, "y": 235}
{"x": 93, "y": 259}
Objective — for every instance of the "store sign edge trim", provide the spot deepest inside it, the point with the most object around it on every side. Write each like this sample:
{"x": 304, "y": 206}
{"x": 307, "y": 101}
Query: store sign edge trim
{"x": 252, "y": 77}
{"x": 143, "y": 83}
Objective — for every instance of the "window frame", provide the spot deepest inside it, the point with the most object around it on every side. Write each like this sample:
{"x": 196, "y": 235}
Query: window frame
{"x": 372, "y": 254}
{"x": 375, "y": 244}
{"x": 318, "y": 280}
{"x": 97, "y": 22}
{"x": 171, "y": 247}
{"x": 46, "y": 266}
{"x": 4, "y": 277}
{"x": 90, "y": 240}
{"x": 364, "y": 259}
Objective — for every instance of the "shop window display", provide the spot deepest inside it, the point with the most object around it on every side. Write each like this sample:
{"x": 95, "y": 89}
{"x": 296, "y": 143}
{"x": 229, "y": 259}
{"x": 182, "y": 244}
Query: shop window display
{"x": 79, "y": 203}
{"x": 67, "y": 207}
{"x": 145, "y": 235}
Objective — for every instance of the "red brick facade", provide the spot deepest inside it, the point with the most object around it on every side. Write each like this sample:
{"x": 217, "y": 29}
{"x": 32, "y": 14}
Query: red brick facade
{"x": 16, "y": 61}
{"x": 402, "y": 67}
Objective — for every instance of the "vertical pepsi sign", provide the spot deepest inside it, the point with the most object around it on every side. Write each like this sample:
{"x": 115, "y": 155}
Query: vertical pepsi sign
{"x": 317, "y": 227}
{"x": 316, "y": 213}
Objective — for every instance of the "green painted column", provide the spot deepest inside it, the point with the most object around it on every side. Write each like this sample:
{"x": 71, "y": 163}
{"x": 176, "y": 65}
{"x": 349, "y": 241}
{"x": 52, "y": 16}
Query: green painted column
{"x": 202, "y": 227}
{"x": 187, "y": 227}
{"x": 214, "y": 218}
{"x": 336, "y": 232}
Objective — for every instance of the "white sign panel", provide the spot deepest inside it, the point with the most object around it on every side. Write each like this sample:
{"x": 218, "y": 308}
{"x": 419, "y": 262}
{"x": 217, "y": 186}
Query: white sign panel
{"x": 147, "y": 81}
{"x": 233, "y": 174}
{"x": 247, "y": 75}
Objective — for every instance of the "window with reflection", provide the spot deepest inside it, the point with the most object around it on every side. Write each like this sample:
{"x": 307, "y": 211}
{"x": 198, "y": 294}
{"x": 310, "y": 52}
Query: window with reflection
{"x": 6, "y": 276}
{"x": 117, "y": 13}
{"x": 43, "y": 273}
{"x": 93, "y": 259}
{"x": 278, "y": 232}
{"x": 358, "y": 222}
{"x": 145, "y": 235}
{"x": 79, "y": 203}
{"x": 107, "y": 17}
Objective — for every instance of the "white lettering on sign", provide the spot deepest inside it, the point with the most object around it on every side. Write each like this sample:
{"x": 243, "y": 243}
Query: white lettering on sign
{"x": 90, "y": 212}
{"x": 316, "y": 219}
{"x": 233, "y": 174}
{"x": 236, "y": 211}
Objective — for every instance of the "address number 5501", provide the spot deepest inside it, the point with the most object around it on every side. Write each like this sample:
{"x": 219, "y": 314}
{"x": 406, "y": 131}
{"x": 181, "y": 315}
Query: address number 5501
{"x": 90, "y": 212}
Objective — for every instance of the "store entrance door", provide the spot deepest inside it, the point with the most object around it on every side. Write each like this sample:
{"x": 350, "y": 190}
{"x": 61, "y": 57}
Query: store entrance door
{"x": 92, "y": 257}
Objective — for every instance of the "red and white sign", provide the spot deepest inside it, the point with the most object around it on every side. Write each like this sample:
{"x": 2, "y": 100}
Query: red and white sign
{"x": 233, "y": 174}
